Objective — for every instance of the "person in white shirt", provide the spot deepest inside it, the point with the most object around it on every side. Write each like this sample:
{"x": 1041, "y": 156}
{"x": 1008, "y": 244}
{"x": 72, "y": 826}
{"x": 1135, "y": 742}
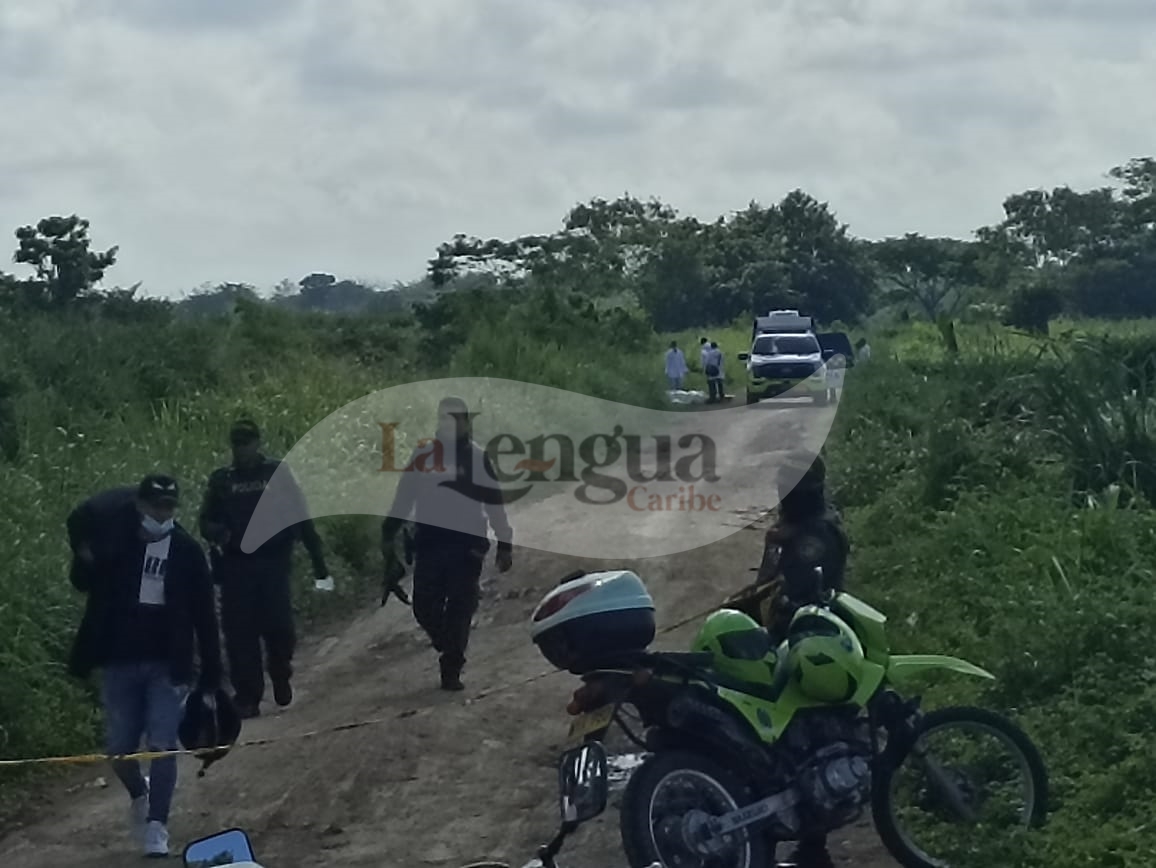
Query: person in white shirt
{"x": 676, "y": 367}
{"x": 863, "y": 350}
{"x": 703, "y": 350}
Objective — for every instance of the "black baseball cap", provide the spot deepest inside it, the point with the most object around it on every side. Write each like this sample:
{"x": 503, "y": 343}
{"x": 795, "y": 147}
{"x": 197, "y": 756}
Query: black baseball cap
{"x": 244, "y": 431}
{"x": 159, "y": 489}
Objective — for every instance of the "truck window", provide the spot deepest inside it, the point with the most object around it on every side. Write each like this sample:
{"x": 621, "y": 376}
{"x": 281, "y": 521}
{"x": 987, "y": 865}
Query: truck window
{"x": 785, "y": 345}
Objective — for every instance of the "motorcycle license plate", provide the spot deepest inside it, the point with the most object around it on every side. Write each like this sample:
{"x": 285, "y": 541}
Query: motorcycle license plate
{"x": 590, "y": 721}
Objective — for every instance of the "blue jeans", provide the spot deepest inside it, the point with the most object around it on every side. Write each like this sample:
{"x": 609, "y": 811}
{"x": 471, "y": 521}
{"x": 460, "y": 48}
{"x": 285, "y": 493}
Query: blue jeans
{"x": 140, "y": 700}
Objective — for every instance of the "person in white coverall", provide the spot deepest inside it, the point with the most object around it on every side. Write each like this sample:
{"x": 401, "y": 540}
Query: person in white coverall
{"x": 676, "y": 367}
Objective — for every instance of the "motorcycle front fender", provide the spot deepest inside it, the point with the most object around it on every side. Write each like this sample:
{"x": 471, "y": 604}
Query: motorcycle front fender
{"x": 901, "y": 666}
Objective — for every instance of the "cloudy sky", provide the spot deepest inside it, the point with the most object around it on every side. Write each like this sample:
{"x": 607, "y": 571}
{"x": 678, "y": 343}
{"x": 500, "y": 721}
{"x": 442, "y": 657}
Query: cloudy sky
{"x": 254, "y": 140}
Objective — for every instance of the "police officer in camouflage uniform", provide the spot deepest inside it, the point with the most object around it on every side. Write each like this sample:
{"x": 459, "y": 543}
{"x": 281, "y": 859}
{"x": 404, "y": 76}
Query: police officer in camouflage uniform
{"x": 804, "y": 559}
{"x": 256, "y": 596}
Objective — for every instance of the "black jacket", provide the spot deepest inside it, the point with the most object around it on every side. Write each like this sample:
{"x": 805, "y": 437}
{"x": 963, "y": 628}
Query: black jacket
{"x": 465, "y": 496}
{"x": 109, "y": 525}
{"x": 231, "y": 498}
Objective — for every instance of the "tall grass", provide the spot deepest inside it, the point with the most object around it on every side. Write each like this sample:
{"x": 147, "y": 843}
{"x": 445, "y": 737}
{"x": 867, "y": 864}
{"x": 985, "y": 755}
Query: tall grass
{"x": 997, "y": 505}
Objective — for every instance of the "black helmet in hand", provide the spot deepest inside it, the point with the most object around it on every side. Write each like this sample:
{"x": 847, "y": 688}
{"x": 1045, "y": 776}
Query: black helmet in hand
{"x": 210, "y": 720}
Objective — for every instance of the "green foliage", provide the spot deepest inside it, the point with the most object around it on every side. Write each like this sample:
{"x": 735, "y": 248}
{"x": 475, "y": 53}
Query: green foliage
{"x": 682, "y": 272}
{"x": 999, "y": 509}
{"x": 932, "y": 275}
{"x": 58, "y": 248}
{"x": 1033, "y": 305}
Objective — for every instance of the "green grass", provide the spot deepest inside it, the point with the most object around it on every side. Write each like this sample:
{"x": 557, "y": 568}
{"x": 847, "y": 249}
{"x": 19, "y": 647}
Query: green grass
{"x": 985, "y": 498}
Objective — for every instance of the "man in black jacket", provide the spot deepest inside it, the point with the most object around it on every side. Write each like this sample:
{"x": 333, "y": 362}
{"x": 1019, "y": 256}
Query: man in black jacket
{"x": 150, "y": 598}
{"x": 448, "y": 555}
{"x": 256, "y": 593}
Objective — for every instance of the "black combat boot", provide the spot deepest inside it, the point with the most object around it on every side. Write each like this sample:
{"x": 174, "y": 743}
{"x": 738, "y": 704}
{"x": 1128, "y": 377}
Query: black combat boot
{"x": 451, "y": 677}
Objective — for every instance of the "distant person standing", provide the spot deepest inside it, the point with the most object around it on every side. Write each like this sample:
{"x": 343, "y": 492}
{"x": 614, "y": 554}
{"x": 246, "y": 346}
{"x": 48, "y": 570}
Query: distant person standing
{"x": 150, "y": 601}
{"x": 676, "y": 367}
{"x": 863, "y": 350}
{"x": 836, "y": 370}
{"x": 703, "y": 351}
{"x": 713, "y": 368}
{"x": 256, "y": 590}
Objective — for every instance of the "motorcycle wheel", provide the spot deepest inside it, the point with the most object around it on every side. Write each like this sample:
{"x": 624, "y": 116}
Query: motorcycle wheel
{"x": 651, "y": 836}
{"x": 883, "y": 807}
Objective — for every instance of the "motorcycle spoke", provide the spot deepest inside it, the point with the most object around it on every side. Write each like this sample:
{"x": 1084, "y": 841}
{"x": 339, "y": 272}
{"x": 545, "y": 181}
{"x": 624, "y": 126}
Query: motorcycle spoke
{"x": 680, "y": 808}
{"x": 959, "y": 800}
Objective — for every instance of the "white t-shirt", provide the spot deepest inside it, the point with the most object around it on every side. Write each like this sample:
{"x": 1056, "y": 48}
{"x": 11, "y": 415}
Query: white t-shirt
{"x": 152, "y": 577}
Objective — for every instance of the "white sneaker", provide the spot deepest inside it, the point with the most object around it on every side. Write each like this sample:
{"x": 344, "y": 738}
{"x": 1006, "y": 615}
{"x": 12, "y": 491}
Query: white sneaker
{"x": 156, "y": 843}
{"x": 138, "y": 817}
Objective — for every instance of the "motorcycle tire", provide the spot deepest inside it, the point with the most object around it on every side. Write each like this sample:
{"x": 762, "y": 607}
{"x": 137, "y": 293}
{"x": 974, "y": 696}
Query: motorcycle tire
{"x": 882, "y": 814}
{"x": 634, "y": 812}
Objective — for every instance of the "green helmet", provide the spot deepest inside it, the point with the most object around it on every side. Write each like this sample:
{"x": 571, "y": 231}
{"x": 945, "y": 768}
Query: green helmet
{"x": 824, "y": 655}
{"x": 741, "y": 648}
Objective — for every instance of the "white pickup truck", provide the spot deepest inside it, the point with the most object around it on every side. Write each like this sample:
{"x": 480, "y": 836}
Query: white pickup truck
{"x": 786, "y": 354}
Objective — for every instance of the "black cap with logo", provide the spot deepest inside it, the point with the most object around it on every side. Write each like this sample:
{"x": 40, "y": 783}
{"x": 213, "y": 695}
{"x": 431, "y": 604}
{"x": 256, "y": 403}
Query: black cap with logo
{"x": 159, "y": 489}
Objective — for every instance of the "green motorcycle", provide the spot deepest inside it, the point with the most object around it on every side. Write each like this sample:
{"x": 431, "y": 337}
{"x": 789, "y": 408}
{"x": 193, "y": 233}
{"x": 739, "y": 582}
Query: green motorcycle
{"x": 751, "y": 742}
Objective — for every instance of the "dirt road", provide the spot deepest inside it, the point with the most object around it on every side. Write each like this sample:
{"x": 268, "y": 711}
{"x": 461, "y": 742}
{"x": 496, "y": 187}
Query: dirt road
{"x": 441, "y": 779}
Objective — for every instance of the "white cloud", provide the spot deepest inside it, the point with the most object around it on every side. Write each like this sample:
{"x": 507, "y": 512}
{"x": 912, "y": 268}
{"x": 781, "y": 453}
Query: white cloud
{"x": 226, "y": 140}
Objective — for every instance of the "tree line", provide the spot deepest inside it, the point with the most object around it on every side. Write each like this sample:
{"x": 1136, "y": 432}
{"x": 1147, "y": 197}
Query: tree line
{"x": 1088, "y": 253}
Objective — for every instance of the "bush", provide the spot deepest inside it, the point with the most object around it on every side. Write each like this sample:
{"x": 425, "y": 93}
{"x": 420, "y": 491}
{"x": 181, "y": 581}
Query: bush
{"x": 998, "y": 511}
{"x": 1034, "y": 305}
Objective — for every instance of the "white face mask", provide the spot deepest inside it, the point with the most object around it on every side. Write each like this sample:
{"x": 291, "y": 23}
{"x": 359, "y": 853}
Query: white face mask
{"x": 156, "y": 528}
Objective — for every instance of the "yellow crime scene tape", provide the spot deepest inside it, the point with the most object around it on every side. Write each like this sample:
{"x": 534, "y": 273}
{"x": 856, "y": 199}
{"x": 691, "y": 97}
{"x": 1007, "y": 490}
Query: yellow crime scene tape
{"x": 92, "y": 758}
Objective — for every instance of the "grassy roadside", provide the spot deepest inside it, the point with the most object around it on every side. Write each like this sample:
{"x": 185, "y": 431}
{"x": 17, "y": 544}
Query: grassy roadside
{"x": 999, "y": 505}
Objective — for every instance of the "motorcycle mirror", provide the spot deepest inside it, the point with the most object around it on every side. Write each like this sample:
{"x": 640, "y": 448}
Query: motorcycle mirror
{"x": 583, "y": 783}
{"x": 231, "y": 847}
